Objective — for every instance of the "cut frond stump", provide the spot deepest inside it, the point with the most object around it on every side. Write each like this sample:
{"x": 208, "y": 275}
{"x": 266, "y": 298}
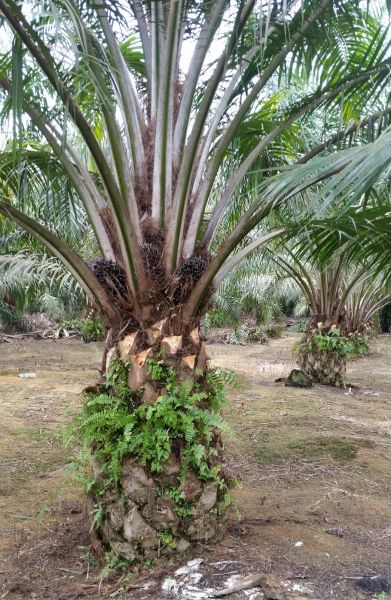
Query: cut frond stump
{"x": 152, "y": 336}
{"x": 171, "y": 345}
{"x": 202, "y": 358}
{"x": 150, "y": 394}
{"x": 138, "y": 369}
{"x": 188, "y": 362}
{"x": 194, "y": 337}
{"x": 129, "y": 346}
{"x": 112, "y": 354}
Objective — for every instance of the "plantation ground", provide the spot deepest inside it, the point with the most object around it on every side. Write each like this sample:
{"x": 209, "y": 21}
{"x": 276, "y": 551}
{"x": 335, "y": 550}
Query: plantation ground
{"x": 313, "y": 503}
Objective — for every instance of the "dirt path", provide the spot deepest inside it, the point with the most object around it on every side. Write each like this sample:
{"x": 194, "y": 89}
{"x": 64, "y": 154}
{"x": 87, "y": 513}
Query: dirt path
{"x": 339, "y": 508}
{"x": 314, "y": 494}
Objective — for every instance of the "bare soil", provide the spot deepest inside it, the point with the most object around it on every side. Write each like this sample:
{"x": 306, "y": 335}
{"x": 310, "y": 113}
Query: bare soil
{"x": 313, "y": 501}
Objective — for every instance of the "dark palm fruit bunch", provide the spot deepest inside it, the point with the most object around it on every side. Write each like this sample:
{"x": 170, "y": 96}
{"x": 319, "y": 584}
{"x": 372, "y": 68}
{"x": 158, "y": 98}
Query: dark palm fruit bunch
{"x": 187, "y": 276}
{"x": 153, "y": 256}
{"x": 110, "y": 275}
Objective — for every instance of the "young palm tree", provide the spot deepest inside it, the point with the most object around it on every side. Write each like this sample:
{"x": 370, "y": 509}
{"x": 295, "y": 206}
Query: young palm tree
{"x": 148, "y": 140}
{"x": 253, "y": 298}
{"x": 325, "y": 348}
{"x": 342, "y": 298}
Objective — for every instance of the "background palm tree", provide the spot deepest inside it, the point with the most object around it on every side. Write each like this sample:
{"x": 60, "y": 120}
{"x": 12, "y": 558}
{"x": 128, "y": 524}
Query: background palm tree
{"x": 152, "y": 145}
{"x": 32, "y": 281}
{"x": 342, "y": 296}
{"x": 254, "y": 298}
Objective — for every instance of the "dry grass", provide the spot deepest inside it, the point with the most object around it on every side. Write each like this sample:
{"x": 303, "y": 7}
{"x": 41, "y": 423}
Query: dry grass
{"x": 317, "y": 449}
{"x": 309, "y": 463}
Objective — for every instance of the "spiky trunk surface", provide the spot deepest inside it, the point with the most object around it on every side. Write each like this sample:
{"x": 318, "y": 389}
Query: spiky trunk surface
{"x": 327, "y": 367}
{"x": 164, "y": 489}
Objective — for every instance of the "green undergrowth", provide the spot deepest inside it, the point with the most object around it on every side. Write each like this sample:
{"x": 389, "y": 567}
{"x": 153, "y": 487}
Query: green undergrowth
{"x": 333, "y": 341}
{"x": 310, "y": 450}
{"x": 114, "y": 425}
{"x": 299, "y": 327}
{"x": 91, "y": 330}
{"x": 360, "y": 348}
{"x": 114, "y": 565}
{"x": 330, "y": 341}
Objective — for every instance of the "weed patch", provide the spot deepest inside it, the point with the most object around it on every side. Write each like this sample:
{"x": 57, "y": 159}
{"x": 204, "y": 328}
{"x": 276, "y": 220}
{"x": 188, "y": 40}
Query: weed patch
{"x": 38, "y": 453}
{"x": 309, "y": 450}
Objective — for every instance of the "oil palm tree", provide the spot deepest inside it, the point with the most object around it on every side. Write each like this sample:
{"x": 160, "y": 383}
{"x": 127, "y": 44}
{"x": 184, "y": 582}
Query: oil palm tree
{"x": 30, "y": 279}
{"x": 358, "y": 296}
{"x": 148, "y": 140}
{"x": 343, "y": 290}
{"x": 253, "y": 298}
{"x": 33, "y": 282}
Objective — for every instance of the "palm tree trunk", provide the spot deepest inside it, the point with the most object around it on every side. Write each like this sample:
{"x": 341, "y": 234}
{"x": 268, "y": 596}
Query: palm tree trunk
{"x": 327, "y": 367}
{"x": 166, "y": 497}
